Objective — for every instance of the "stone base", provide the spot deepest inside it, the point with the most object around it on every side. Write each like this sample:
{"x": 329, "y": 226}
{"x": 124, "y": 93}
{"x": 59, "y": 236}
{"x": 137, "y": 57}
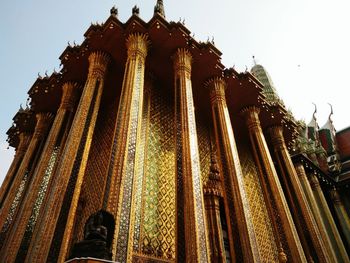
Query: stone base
{"x": 91, "y": 249}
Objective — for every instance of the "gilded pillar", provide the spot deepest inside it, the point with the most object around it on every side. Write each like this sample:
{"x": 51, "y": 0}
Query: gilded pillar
{"x": 41, "y": 176}
{"x": 235, "y": 194}
{"x": 280, "y": 205}
{"x": 191, "y": 211}
{"x": 303, "y": 216}
{"x": 8, "y": 211}
{"x": 71, "y": 167}
{"x": 24, "y": 139}
{"x": 341, "y": 213}
{"x": 321, "y": 213}
{"x": 212, "y": 195}
{"x": 127, "y": 153}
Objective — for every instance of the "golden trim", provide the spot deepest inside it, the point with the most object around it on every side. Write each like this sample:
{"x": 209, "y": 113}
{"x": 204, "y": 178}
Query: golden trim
{"x": 19, "y": 225}
{"x": 40, "y": 244}
{"x": 196, "y": 235}
{"x": 258, "y": 142}
{"x": 224, "y": 133}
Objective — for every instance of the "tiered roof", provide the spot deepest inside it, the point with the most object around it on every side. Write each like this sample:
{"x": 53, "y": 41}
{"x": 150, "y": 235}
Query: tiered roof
{"x": 243, "y": 89}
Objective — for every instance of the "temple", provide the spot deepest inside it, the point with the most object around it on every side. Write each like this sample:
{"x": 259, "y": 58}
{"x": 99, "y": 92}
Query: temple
{"x": 144, "y": 147}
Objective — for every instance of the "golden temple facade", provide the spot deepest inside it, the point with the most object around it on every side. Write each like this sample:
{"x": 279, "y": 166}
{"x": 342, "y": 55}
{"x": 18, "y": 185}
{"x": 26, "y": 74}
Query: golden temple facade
{"x": 145, "y": 148}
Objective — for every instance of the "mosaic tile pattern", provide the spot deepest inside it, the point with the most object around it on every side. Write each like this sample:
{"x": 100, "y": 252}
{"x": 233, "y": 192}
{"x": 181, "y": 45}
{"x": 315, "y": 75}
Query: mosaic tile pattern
{"x": 39, "y": 200}
{"x": 261, "y": 220}
{"x": 128, "y": 173}
{"x": 139, "y": 180}
{"x": 196, "y": 175}
{"x": 62, "y": 219}
{"x": 204, "y": 151}
{"x": 179, "y": 183}
{"x": 13, "y": 207}
{"x": 158, "y": 221}
{"x": 96, "y": 170}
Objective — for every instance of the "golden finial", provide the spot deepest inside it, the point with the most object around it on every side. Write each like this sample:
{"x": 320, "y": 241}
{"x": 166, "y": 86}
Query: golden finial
{"x": 159, "y": 8}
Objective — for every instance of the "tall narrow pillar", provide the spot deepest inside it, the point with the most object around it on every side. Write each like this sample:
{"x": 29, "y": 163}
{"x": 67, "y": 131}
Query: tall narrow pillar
{"x": 212, "y": 195}
{"x": 21, "y": 230}
{"x": 299, "y": 205}
{"x": 191, "y": 213}
{"x": 71, "y": 167}
{"x": 258, "y": 142}
{"x": 321, "y": 213}
{"x": 123, "y": 171}
{"x": 235, "y": 194}
{"x": 24, "y": 139}
{"x": 342, "y": 215}
{"x": 43, "y": 121}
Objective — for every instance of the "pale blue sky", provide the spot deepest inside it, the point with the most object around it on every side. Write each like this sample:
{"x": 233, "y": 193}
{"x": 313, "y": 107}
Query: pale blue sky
{"x": 304, "y": 44}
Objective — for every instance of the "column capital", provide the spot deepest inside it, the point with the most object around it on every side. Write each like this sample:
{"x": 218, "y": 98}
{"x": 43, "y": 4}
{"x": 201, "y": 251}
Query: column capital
{"x": 314, "y": 183}
{"x": 69, "y": 95}
{"x": 334, "y": 195}
{"x": 98, "y": 62}
{"x": 276, "y": 134}
{"x": 299, "y": 168}
{"x": 251, "y": 115}
{"x": 182, "y": 60}
{"x": 137, "y": 44}
{"x": 216, "y": 87}
{"x": 24, "y": 139}
{"x": 249, "y": 110}
{"x": 42, "y": 123}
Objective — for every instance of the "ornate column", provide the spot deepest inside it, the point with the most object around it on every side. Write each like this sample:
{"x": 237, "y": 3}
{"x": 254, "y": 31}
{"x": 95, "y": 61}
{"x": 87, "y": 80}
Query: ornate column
{"x": 190, "y": 203}
{"x": 235, "y": 194}
{"x": 212, "y": 195}
{"x": 300, "y": 208}
{"x": 342, "y": 215}
{"x": 123, "y": 172}
{"x": 322, "y": 214}
{"x": 24, "y": 139}
{"x": 279, "y": 202}
{"x": 33, "y": 199}
{"x": 71, "y": 167}
{"x": 43, "y": 121}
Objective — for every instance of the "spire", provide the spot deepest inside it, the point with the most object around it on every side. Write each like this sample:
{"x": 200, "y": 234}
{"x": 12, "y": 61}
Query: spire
{"x": 264, "y": 77}
{"x": 114, "y": 11}
{"x": 159, "y": 8}
{"x": 136, "y": 10}
{"x": 254, "y": 60}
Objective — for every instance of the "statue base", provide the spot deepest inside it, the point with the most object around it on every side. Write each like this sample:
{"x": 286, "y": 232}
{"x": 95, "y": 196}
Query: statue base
{"x": 88, "y": 260}
{"x": 91, "y": 248}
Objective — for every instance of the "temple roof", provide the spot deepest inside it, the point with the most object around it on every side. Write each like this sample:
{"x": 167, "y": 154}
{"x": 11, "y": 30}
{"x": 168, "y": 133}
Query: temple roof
{"x": 243, "y": 89}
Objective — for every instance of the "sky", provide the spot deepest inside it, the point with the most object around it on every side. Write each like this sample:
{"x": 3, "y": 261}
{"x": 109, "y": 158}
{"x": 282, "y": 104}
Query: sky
{"x": 303, "y": 44}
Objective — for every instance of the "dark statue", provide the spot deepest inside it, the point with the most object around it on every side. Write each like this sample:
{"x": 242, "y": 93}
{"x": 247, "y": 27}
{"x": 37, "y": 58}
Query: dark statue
{"x": 98, "y": 236}
{"x": 94, "y": 228}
